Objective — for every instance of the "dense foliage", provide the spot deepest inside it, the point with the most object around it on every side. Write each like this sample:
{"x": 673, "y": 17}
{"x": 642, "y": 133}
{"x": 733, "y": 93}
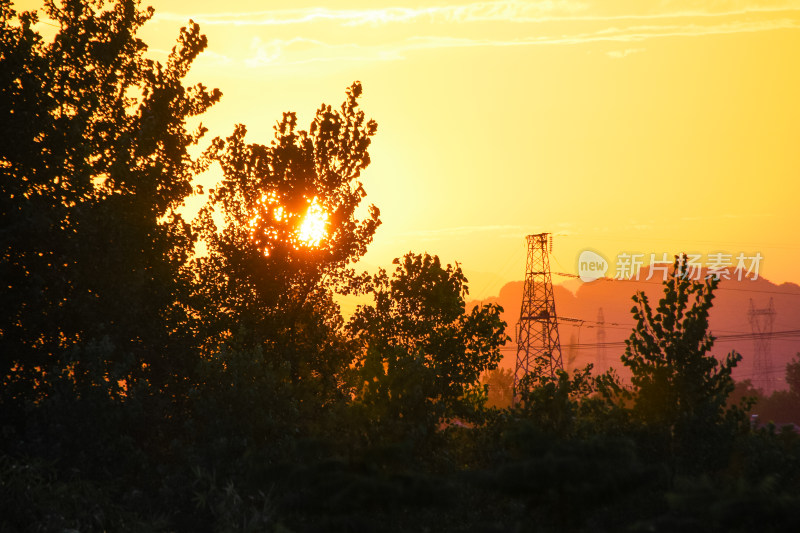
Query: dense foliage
{"x": 681, "y": 389}
{"x": 422, "y": 354}
{"x": 95, "y": 161}
{"x": 145, "y": 386}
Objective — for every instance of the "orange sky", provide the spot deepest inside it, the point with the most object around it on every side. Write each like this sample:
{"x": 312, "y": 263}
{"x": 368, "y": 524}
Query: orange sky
{"x": 618, "y": 125}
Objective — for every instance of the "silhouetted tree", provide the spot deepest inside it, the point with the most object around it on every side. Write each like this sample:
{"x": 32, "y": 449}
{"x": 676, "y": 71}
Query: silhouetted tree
{"x": 744, "y": 393}
{"x": 261, "y": 277}
{"x": 782, "y": 406}
{"x": 94, "y": 163}
{"x": 680, "y": 388}
{"x": 422, "y": 354}
{"x": 501, "y": 387}
{"x": 793, "y": 375}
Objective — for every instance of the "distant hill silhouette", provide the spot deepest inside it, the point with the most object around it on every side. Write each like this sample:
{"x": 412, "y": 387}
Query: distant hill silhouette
{"x": 729, "y": 316}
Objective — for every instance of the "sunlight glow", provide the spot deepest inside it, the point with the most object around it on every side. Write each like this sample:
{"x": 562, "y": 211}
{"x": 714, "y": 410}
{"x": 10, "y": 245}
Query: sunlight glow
{"x": 314, "y": 227}
{"x": 273, "y": 222}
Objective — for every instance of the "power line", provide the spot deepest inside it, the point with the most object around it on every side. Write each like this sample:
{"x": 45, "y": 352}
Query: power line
{"x": 720, "y": 288}
{"x": 594, "y": 322}
{"x": 721, "y": 338}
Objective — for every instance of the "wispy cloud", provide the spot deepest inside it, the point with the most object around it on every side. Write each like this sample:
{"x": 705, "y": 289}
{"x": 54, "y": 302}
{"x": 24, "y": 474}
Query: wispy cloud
{"x": 510, "y": 11}
{"x": 461, "y": 230}
{"x": 210, "y": 58}
{"x": 274, "y": 50}
{"x": 619, "y": 54}
{"x": 498, "y": 11}
{"x": 296, "y": 37}
{"x": 300, "y": 51}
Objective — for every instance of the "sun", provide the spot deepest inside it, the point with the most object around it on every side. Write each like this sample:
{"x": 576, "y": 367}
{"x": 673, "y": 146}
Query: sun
{"x": 272, "y": 222}
{"x": 314, "y": 227}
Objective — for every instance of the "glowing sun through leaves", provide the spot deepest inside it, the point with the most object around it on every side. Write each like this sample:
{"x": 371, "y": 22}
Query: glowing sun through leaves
{"x": 272, "y": 222}
{"x": 315, "y": 225}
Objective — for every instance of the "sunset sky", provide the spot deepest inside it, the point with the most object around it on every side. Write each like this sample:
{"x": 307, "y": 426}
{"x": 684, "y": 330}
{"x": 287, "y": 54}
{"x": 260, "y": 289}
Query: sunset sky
{"x": 620, "y": 126}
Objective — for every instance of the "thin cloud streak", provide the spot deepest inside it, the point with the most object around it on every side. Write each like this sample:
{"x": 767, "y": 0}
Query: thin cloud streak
{"x": 458, "y": 230}
{"x": 507, "y": 11}
{"x": 293, "y": 49}
{"x": 514, "y": 12}
{"x": 620, "y": 54}
{"x": 397, "y": 50}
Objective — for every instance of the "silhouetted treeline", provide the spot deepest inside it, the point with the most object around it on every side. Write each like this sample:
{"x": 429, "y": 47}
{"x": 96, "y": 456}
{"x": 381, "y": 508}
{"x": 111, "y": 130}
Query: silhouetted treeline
{"x": 164, "y": 374}
{"x": 781, "y": 407}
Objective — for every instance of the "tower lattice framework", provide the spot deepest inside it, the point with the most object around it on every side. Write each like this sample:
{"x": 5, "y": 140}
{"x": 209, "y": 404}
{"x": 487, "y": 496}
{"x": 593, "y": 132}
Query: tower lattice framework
{"x": 761, "y": 321}
{"x": 538, "y": 345}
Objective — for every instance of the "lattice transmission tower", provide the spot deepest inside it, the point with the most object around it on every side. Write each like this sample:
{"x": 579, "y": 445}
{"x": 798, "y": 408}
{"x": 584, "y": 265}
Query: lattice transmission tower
{"x": 538, "y": 345}
{"x": 761, "y": 321}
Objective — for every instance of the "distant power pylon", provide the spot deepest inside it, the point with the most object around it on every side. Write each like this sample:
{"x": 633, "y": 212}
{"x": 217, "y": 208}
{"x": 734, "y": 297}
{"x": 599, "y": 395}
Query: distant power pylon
{"x": 538, "y": 346}
{"x": 761, "y": 321}
{"x": 602, "y": 363}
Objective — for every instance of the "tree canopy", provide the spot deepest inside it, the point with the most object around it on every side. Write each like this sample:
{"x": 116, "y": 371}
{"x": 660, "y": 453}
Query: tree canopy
{"x": 95, "y": 162}
{"x": 675, "y": 375}
{"x": 422, "y": 352}
{"x": 680, "y": 389}
{"x": 257, "y": 259}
